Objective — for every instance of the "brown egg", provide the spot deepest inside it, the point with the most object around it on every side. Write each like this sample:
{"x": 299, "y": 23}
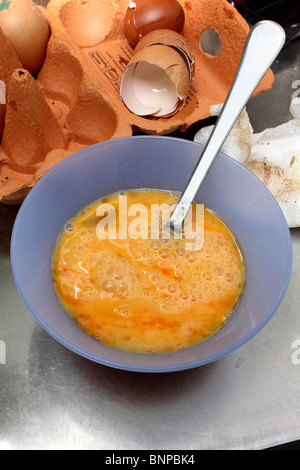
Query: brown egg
{"x": 27, "y": 29}
{"x": 144, "y": 16}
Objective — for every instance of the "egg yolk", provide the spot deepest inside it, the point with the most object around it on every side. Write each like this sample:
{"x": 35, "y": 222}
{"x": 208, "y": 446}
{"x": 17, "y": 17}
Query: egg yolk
{"x": 147, "y": 295}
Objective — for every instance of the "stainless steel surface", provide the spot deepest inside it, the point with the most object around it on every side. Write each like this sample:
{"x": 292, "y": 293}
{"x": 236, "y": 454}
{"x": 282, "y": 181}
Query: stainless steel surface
{"x": 50, "y": 398}
{"x": 263, "y": 44}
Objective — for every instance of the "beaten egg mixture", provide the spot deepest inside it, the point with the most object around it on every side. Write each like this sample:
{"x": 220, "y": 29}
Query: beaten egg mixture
{"x": 147, "y": 295}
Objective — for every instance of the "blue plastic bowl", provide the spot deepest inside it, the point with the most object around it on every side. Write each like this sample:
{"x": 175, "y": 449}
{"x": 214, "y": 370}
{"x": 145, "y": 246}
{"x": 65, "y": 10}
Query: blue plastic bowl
{"x": 231, "y": 190}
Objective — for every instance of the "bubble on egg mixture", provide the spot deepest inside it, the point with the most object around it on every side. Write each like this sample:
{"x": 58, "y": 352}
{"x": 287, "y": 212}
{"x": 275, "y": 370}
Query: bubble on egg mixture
{"x": 179, "y": 276}
{"x": 177, "y": 267}
{"x": 69, "y": 228}
{"x": 113, "y": 275}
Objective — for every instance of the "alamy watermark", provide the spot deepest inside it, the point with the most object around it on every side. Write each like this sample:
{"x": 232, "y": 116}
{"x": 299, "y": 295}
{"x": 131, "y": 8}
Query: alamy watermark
{"x": 296, "y": 354}
{"x": 295, "y": 100}
{"x": 136, "y": 221}
{"x": 2, "y": 352}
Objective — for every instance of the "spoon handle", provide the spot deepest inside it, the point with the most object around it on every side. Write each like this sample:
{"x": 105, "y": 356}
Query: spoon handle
{"x": 263, "y": 44}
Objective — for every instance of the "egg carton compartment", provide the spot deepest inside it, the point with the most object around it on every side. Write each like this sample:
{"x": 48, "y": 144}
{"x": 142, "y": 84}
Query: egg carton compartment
{"x": 74, "y": 99}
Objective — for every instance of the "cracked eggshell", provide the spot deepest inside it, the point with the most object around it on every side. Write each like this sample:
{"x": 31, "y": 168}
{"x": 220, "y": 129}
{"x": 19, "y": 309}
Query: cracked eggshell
{"x": 167, "y": 37}
{"x": 143, "y": 16}
{"x": 156, "y": 81}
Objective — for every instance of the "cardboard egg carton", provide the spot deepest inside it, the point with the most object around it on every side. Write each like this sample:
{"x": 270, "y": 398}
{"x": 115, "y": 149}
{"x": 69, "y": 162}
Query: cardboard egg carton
{"x": 74, "y": 100}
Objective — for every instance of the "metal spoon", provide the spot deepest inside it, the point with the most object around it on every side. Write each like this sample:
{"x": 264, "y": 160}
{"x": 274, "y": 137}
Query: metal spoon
{"x": 263, "y": 44}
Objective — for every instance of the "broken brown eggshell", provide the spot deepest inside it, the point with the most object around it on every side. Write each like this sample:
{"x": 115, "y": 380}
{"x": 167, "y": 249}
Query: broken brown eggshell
{"x": 157, "y": 80}
{"x": 77, "y": 89}
{"x": 169, "y": 38}
{"x": 143, "y": 16}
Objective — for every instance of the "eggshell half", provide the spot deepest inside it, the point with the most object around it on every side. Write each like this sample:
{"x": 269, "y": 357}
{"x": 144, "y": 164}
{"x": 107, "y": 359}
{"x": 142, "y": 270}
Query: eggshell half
{"x": 143, "y": 16}
{"x": 169, "y": 38}
{"x": 156, "y": 82}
